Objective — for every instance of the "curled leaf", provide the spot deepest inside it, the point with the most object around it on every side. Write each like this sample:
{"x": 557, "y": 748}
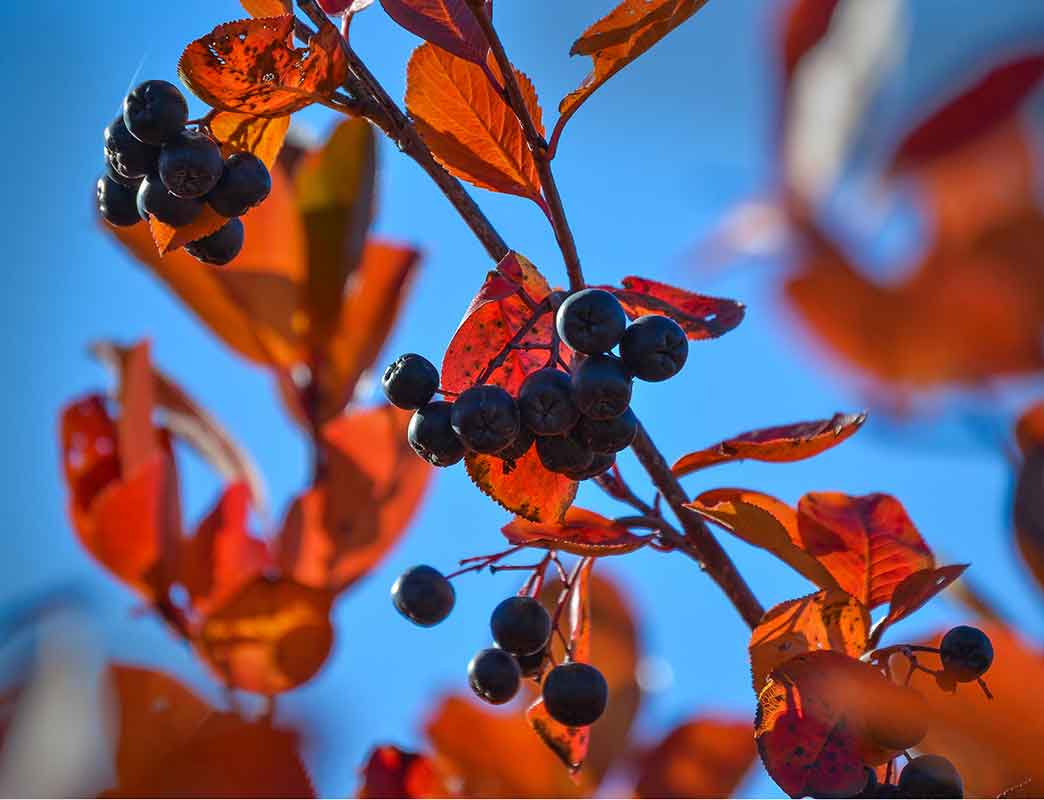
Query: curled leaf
{"x": 700, "y": 316}
{"x": 581, "y": 532}
{"x": 913, "y": 592}
{"x": 448, "y": 24}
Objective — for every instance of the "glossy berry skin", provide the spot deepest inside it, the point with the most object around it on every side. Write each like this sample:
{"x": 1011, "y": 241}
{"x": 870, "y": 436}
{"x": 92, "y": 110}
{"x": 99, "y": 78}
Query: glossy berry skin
{"x": 190, "y": 164}
{"x": 410, "y": 381}
{"x": 599, "y": 464}
{"x": 127, "y": 156}
{"x": 930, "y": 776}
{"x": 155, "y": 112}
{"x": 591, "y": 321}
{"x": 117, "y": 203}
{"x": 155, "y": 200}
{"x": 654, "y": 348}
{"x": 423, "y": 595}
{"x": 966, "y": 653}
{"x": 563, "y": 453}
{"x": 545, "y": 402}
{"x": 485, "y": 418}
{"x": 130, "y": 183}
{"x": 244, "y": 184}
{"x": 575, "y": 694}
{"x": 221, "y": 246}
{"x": 608, "y": 435}
{"x": 520, "y": 625}
{"x": 494, "y": 675}
{"x": 518, "y": 448}
{"x": 432, "y": 436}
{"x": 602, "y": 387}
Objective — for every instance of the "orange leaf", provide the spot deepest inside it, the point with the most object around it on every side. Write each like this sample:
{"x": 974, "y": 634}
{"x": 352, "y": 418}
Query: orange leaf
{"x": 251, "y": 66}
{"x": 1029, "y": 430}
{"x": 619, "y": 38}
{"x": 269, "y": 637}
{"x": 338, "y": 531}
{"x": 168, "y": 238}
{"x": 468, "y": 126}
{"x": 778, "y": 444}
{"x": 528, "y": 489}
{"x": 1029, "y": 513}
{"x": 245, "y": 133}
{"x": 582, "y": 532}
{"x": 913, "y": 592}
{"x": 268, "y": 8}
{"x": 449, "y": 24}
{"x": 90, "y": 457}
{"x": 867, "y": 543}
{"x": 700, "y": 316}
{"x": 827, "y": 620}
{"x": 391, "y": 772}
{"x": 136, "y": 435}
{"x": 704, "y": 757}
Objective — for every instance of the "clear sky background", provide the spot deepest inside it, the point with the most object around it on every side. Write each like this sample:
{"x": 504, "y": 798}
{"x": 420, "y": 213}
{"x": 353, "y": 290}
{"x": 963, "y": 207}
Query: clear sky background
{"x": 645, "y": 168}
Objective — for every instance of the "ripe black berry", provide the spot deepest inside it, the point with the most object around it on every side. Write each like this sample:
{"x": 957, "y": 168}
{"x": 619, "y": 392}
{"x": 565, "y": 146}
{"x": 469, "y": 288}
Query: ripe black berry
{"x": 608, "y": 435}
{"x": 130, "y": 183}
{"x": 575, "y": 694}
{"x": 591, "y": 321}
{"x": 432, "y": 436}
{"x": 410, "y": 381}
{"x": 244, "y": 184}
{"x": 221, "y": 246}
{"x": 930, "y": 776}
{"x": 423, "y": 595}
{"x": 485, "y": 418}
{"x": 128, "y": 156}
{"x": 602, "y": 387}
{"x": 966, "y": 653}
{"x": 599, "y": 464}
{"x": 494, "y": 675}
{"x": 563, "y": 453}
{"x": 155, "y": 200}
{"x": 518, "y": 448}
{"x": 116, "y": 203}
{"x": 155, "y": 112}
{"x": 545, "y": 402}
{"x": 190, "y": 164}
{"x": 520, "y": 625}
{"x": 654, "y": 347}
{"x": 533, "y": 663}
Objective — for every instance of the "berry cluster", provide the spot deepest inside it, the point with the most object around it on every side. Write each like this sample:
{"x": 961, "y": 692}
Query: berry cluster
{"x": 923, "y": 776}
{"x": 156, "y": 166}
{"x": 577, "y": 420}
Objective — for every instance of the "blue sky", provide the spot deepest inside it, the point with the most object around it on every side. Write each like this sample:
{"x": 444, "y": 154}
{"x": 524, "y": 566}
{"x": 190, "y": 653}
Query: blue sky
{"x": 645, "y": 167}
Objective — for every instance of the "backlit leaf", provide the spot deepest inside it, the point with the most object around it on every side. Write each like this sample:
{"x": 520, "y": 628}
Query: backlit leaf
{"x": 268, "y": 8}
{"x": 704, "y": 757}
{"x": 914, "y": 591}
{"x": 252, "y": 66}
{"x": 527, "y": 489}
{"x": 245, "y": 133}
{"x": 582, "y": 532}
{"x": 136, "y": 435}
{"x": 449, "y": 24}
{"x": 778, "y": 444}
{"x": 468, "y": 126}
{"x": 392, "y": 772}
{"x": 700, "y": 316}
{"x": 90, "y": 458}
{"x": 168, "y": 238}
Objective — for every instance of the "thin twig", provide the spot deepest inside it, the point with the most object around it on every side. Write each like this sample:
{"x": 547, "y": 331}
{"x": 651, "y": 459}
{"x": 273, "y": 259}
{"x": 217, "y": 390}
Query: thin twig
{"x": 498, "y": 360}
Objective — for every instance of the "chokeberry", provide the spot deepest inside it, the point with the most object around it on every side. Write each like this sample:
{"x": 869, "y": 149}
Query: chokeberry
{"x": 654, "y": 347}
{"x": 966, "y": 653}
{"x": 602, "y": 387}
{"x": 599, "y": 464}
{"x": 519, "y": 447}
{"x": 545, "y": 402}
{"x": 520, "y": 625}
{"x": 575, "y": 694}
{"x": 485, "y": 418}
{"x": 129, "y": 157}
{"x": 155, "y": 200}
{"x": 563, "y": 453}
{"x": 130, "y": 183}
{"x": 410, "y": 381}
{"x": 244, "y": 184}
{"x": 494, "y": 675}
{"x": 190, "y": 164}
{"x": 608, "y": 435}
{"x": 117, "y": 203}
{"x": 532, "y": 664}
{"x": 221, "y": 246}
{"x": 432, "y": 437}
{"x": 155, "y": 112}
{"x": 423, "y": 595}
{"x": 591, "y": 321}
{"x": 930, "y": 776}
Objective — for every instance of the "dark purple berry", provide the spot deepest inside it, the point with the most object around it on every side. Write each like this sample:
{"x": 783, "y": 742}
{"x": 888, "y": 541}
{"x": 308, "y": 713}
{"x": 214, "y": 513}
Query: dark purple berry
{"x": 494, "y": 675}
{"x": 532, "y": 664}
{"x": 575, "y": 694}
{"x": 599, "y": 464}
{"x": 563, "y": 453}
{"x": 520, "y": 625}
{"x": 117, "y": 204}
{"x": 244, "y": 184}
{"x": 608, "y": 435}
{"x": 221, "y": 246}
{"x": 930, "y": 776}
{"x": 155, "y": 200}
{"x": 602, "y": 387}
{"x": 129, "y": 157}
{"x": 966, "y": 653}
{"x": 423, "y": 595}
{"x": 155, "y": 112}
{"x": 432, "y": 436}
{"x": 130, "y": 183}
{"x": 190, "y": 164}
{"x": 654, "y": 347}
{"x": 410, "y": 381}
{"x": 518, "y": 448}
{"x": 591, "y": 321}
{"x": 485, "y": 418}
{"x": 545, "y": 402}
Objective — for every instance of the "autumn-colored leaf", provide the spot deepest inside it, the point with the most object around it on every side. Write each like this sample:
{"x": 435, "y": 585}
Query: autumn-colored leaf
{"x": 1029, "y": 429}
{"x": 268, "y": 8}
{"x": 168, "y": 238}
{"x": 392, "y": 772}
{"x": 704, "y": 757}
{"x": 582, "y": 532}
{"x": 827, "y": 620}
{"x": 136, "y": 436}
{"x": 700, "y": 316}
{"x": 337, "y": 532}
{"x": 1029, "y": 513}
{"x": 271, "y": 636}
{"x": 619, "y": 38}
{"x": 527, "y": 489}
{"x": 245, "y": 133}
{"x": 448, "y": 24}
{"x": 90, "y": 458}
{"x": 913, "y": 592}
{"x": 468, "y": 126}
{"x": 777, "y": 444}
{"x": 867, "y": 543}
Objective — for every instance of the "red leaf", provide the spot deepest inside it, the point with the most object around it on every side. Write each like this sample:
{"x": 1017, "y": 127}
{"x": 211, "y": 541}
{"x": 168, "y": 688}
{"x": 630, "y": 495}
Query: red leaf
{"x": 778, "y": 444}
{"x": 167, "y": 238}
{"x": 1029, "y": 429}
{"x": 914, "y": 591}
{"x": 704, "y": 757}
{"x": 582, "y": 532}
{"x": 391, "y": 772}
{"x": 268, "y": 8}
{"x": 701, "y": 317}
{"x": 136, "y": 435}
{"x": 528, "y": 489}
{"x": 449, "y": 24}
{"x": 90, "y": 458}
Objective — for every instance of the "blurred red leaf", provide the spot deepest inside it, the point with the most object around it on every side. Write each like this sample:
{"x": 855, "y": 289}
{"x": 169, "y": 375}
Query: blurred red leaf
{"x": 468, "y": 126}
{"x": 704, "y": 757}
{"x": 700, "y": 316}
{"x": 581, "y": 532}
{"x": 251, "y": 66}
{"x": 449, "y": 24}
{"x": 245, "y": 133}
{"x": 528, "y": 489}
{"x": 267, "y": 8}
{"x": 1029, "y": 429}
{"x": 136, "y": 436}
{"x": 391, "y": 772}
{"x": 168, "y": 238}
{"x": 778, "y": 444}
{"x": 1029, "y": 513}
{"x": 90, "y": 458}
{"x": 913, "y": 592}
